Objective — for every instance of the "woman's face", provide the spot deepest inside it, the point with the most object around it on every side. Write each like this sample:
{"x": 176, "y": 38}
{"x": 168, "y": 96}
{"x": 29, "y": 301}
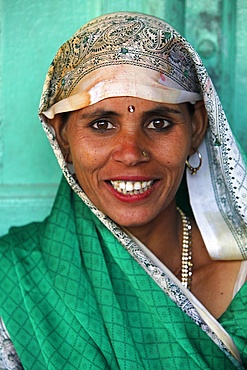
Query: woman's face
{"x": 130, "y": 164}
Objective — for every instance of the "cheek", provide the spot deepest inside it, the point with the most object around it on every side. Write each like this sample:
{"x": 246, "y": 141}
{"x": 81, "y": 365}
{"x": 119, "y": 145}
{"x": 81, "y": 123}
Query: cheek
{"x": 85, "y": 156}
{"x": 174, "y": 153}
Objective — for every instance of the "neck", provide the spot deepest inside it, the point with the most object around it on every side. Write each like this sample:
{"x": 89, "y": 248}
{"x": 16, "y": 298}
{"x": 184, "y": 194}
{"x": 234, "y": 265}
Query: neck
{"x": 163, "y": 236}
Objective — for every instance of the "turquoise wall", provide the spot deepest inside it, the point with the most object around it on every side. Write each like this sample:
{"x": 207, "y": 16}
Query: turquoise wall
{"x": 32, "y": 31}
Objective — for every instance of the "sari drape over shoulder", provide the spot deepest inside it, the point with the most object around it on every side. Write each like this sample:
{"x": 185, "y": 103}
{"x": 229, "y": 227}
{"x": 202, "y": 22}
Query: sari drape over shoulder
{"x": 90, "y": 305}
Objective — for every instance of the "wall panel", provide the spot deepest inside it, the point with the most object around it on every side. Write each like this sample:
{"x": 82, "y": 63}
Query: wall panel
{"x": 218, "y": 31}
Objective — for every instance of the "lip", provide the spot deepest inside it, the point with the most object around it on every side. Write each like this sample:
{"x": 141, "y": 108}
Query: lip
{"x": 131, "y": 178}
{"x": 134, "y": 197}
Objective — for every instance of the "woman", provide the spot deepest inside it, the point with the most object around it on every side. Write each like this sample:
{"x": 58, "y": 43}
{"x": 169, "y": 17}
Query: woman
{"x": 128, "y": 272}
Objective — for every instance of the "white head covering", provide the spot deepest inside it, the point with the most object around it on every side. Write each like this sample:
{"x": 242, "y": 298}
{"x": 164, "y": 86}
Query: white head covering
{"x": 133, "y": 54}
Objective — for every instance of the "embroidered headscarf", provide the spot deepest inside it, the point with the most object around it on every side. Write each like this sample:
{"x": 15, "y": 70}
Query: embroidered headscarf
{"x": 133, "y": 54}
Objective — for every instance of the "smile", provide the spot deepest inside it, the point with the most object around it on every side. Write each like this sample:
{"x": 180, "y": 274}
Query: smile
{"x": 131, "y": 187}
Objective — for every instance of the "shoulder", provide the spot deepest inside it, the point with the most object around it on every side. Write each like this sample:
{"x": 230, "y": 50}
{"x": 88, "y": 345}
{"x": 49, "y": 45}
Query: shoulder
{"x": 16, "y": 250}
{"x": 18, "y": 242}
{"x": 20, "y": 236}
{"x": 234, "y": 321}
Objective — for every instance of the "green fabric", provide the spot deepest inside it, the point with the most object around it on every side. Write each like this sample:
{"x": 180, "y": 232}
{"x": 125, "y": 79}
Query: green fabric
{"x": 234, "y": 321}
{"x": 73, "y": 298}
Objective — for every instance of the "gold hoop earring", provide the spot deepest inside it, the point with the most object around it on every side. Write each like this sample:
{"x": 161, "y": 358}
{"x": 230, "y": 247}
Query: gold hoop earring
{"x": 193, "y": 170}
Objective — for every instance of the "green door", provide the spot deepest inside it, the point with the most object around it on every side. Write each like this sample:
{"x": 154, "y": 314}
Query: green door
{"x": 32, "y": 31}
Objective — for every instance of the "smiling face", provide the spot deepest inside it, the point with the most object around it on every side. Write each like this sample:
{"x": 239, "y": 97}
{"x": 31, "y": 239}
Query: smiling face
{"x": 128, "y": 161}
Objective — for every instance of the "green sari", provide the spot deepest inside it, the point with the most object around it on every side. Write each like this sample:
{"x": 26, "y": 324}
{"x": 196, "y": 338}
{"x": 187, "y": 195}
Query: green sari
{"x": 80, "y": 301}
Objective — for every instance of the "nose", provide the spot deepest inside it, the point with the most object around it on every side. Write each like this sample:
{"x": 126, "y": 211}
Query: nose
{"x": 130, "y": 149}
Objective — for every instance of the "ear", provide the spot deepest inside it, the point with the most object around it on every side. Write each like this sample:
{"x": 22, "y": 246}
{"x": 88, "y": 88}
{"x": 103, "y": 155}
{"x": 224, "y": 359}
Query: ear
{"x": 199, "y": 125}
{"x": 60, "y": 126}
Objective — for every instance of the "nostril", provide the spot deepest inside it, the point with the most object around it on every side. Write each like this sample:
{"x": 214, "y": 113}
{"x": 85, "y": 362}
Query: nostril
{"x": 130, "y": 154}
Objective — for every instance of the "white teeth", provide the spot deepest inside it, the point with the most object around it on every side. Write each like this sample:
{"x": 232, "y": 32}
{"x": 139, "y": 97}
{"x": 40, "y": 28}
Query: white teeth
{"x": 129, "y": 186}
{"x": 137, "y": 185}
{"x": 132, "y": 187}
{"x": 121, "y": 185}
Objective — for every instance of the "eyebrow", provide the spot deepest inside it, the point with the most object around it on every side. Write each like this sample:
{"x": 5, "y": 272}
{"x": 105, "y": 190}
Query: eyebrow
{"x": 101, "y": 112}
{"x": 160, "y": 110}
{"x": 98, "y": 113}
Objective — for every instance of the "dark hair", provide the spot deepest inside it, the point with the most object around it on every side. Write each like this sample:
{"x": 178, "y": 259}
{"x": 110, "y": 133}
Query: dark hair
{"x": 64, "y": 117}
{"x": 191, "y": 108}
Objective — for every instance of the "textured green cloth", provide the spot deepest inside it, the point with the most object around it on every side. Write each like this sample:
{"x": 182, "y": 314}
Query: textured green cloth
{"x": 234, "y": 321}
{"x": 73, "y": 298}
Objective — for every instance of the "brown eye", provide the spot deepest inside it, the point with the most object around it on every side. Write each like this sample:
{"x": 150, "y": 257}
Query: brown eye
{"x": 102, "y": 125}
{"x": 159, "y": 124}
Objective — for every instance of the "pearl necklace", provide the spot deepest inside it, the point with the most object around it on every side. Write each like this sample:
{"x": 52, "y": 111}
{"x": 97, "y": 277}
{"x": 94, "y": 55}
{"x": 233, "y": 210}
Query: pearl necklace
{"x": 186, "y": 268}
